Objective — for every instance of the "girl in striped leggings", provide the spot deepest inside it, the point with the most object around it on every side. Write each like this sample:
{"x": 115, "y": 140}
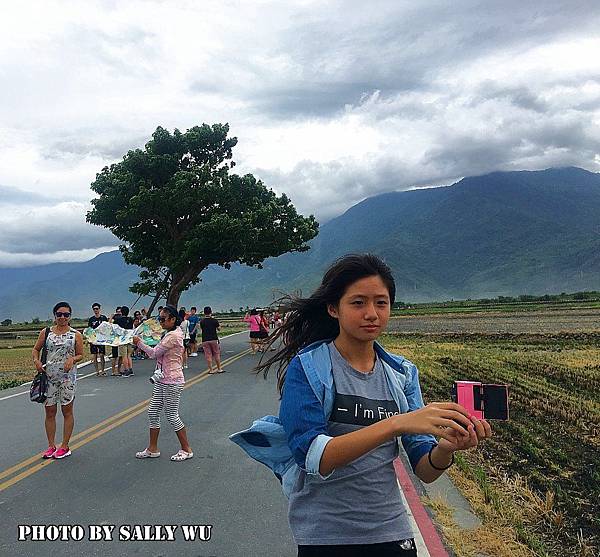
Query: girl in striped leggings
{"x": 167, "y": 390}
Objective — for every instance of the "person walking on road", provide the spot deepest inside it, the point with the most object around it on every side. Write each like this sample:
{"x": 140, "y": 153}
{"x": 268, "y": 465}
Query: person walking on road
{"x": 97, "y": 350}
{"x": 263, "y": 332}
{"x": 193, "y": 319}
{"x": 210, "y": 340}
{"x": 185, "y": 329}
{"x": 345, "y": 498}
{"x": 125, "y": 351}
{"x": 254, "y": 321}
{"x": 115, "y": 362}
{"x": 168, "y": 382}
{"x": 64, "y": 349}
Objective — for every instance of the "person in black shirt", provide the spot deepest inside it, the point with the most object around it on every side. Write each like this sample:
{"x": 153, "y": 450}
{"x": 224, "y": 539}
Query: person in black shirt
{"x": 97, "y": 350}
{"x": 125, "y": 351}
{"x": 210, "y": 340}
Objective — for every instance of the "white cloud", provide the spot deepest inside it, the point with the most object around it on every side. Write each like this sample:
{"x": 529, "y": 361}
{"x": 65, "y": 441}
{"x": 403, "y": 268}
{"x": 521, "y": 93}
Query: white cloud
{"x": 9, "y": 259}
{"x": 331, "y": 101}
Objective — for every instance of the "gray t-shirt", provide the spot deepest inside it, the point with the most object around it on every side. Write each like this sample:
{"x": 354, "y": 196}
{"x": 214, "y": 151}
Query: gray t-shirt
{"x": 359, "y": 503}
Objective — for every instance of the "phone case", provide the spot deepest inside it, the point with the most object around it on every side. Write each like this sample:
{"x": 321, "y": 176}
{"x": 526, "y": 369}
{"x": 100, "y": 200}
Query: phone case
{"x": 484, "y": 401}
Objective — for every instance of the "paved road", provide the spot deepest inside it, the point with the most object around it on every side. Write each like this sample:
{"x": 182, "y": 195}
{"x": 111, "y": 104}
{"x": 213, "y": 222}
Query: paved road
{"x": 102, "y": 482}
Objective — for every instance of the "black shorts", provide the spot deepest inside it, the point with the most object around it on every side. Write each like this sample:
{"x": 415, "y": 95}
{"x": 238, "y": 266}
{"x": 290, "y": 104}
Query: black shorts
{"x": 259, "y": 334}
{"x": 115, "y": 352}
{"x": 405, "y": 548}
{"x": 193, "y": 338}
{"x": 97, "y": 349}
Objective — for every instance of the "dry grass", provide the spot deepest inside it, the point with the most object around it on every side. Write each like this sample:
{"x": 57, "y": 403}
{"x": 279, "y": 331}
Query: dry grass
{"x": 537, "y": 481}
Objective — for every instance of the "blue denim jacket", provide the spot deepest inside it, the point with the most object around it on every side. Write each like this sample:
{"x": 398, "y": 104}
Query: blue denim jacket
{"x": 296, "y": 439}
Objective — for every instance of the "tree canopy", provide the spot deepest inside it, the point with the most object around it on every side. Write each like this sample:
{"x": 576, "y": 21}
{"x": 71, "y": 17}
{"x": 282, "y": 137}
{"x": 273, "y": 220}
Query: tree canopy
{"x": 178, "y": 209}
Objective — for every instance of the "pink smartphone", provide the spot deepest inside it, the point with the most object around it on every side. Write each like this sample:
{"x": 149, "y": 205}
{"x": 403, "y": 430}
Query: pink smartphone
{"x": 483, "y": 400}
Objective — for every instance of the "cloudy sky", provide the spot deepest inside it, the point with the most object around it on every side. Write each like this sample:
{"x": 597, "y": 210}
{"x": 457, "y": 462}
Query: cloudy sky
{"x": 331, "y": 102}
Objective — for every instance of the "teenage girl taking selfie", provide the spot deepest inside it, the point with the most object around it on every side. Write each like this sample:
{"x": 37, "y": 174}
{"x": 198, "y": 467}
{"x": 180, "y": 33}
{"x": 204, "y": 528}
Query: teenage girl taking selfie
{"x": 346, "y": 403}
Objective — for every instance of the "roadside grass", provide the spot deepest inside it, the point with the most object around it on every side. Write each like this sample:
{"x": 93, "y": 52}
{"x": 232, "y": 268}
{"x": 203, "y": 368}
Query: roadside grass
{"x": 536, "y": 483}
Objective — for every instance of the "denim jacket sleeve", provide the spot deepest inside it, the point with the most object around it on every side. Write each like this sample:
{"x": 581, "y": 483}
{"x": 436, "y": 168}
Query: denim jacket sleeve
{"x": 415, "y": 445}
{"x": 303, "y": 419}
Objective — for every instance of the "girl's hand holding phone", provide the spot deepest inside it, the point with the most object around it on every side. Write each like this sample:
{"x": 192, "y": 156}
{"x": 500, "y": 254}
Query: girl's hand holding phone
{"x": 447, "y": 420}
{"x": 479, "y": 430}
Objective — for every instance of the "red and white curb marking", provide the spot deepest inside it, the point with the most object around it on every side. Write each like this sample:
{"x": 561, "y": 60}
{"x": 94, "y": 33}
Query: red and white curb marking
{"x": 427, "y": 539}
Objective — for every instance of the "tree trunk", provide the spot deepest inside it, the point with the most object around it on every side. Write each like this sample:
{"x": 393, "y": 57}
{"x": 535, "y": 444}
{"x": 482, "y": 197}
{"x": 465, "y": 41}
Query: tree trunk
{"x": 180, "y": 283}
{"x": 159, "y": 294}
{"x": 154, "y": 302}
{"x": 173, "y": 297}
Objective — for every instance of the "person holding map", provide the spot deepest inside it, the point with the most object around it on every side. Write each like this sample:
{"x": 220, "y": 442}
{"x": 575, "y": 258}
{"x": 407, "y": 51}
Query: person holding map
{"x": 168, "y": 380}
{"x": 97, "y": 350}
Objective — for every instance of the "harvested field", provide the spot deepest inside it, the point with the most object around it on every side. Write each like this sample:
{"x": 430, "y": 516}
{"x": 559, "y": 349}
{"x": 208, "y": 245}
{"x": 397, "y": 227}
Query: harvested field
{"x": 540, "y": 474}
{"x": 547, "y": 321}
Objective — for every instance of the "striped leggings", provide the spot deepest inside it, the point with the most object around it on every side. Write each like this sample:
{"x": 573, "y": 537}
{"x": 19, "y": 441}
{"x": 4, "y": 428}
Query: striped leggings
{"x": 167, "y": 397}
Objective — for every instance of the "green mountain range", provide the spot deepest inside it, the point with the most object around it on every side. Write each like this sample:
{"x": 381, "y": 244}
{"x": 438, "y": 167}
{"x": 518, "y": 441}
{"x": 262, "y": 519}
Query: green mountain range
{"x": 505, "y": 233}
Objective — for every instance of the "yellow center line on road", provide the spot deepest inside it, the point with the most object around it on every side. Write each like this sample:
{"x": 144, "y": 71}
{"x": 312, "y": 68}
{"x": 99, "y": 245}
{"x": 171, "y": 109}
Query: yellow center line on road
{"x": 97, "y": 430}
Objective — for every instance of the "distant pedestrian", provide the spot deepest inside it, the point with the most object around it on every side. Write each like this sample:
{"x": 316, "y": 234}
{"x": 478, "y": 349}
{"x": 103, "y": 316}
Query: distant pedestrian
{"x": 125, "y": 351}
{"x": 193, "y": 319}
{"x": 263, "y": 333}
{"x": 185, "y": 329}
{"x": 137, "y": 320}
{"x": 64, "y": 349}
{"x": 210, "y": 340}
{"x": 168, "y": 384}
{"x": 254, "y": 321}
{"x": 97, "y": 350}
{"x": 116, "y": 362}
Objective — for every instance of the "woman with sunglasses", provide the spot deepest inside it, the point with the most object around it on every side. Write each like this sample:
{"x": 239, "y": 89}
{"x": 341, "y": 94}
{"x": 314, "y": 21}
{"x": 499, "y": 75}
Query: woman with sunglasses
{"x": 168, "y": 383}
{"x": 64, "y": 349}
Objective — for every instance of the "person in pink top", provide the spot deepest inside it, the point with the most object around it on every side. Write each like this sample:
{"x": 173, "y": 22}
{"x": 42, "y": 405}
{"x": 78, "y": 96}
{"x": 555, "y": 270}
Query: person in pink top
{"x": 254, "y": 320}
{"x": 168, "y": 383}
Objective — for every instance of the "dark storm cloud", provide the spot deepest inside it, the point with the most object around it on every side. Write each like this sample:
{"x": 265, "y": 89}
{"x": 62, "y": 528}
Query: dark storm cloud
{"x": 77, "y": 144}
{"x": 33, "y": 224}
{"x": 397, "y": 50}
{"x": 14, "y": 196}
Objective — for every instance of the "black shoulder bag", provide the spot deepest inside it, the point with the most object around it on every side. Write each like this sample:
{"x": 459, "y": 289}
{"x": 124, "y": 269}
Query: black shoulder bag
{"x": 39, "y": 386}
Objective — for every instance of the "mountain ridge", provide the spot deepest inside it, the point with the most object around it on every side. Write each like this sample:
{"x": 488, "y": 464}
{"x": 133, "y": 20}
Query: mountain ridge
{"x": 503, "y": 233}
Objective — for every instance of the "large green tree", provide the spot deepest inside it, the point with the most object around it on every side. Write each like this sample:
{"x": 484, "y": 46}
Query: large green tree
{"x": 178, "y": 208}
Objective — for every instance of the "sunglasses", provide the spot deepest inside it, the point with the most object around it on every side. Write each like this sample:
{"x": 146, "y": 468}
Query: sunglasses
{"x": 63, "y": 314}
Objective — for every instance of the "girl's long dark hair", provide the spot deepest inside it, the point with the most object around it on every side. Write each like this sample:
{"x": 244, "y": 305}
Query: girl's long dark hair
{"x": 307, "y": 319}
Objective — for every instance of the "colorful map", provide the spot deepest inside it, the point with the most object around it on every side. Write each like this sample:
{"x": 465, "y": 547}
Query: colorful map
{"x": 109, "y": 334}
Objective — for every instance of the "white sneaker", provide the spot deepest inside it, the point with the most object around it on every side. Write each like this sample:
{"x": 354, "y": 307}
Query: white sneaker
{"x": 185, "y": 366}
{"x": 194, "y": 354}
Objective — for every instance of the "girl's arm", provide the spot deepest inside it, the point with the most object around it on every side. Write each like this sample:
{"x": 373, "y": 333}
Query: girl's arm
{"x": 305, "y": 423}
{"x": 35, "y": 353}
{"x": 437, "y": 418}
{"x": 442, "y": 455}
{"x": 165, "y": 344}
{"x": 72, "y": 360}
